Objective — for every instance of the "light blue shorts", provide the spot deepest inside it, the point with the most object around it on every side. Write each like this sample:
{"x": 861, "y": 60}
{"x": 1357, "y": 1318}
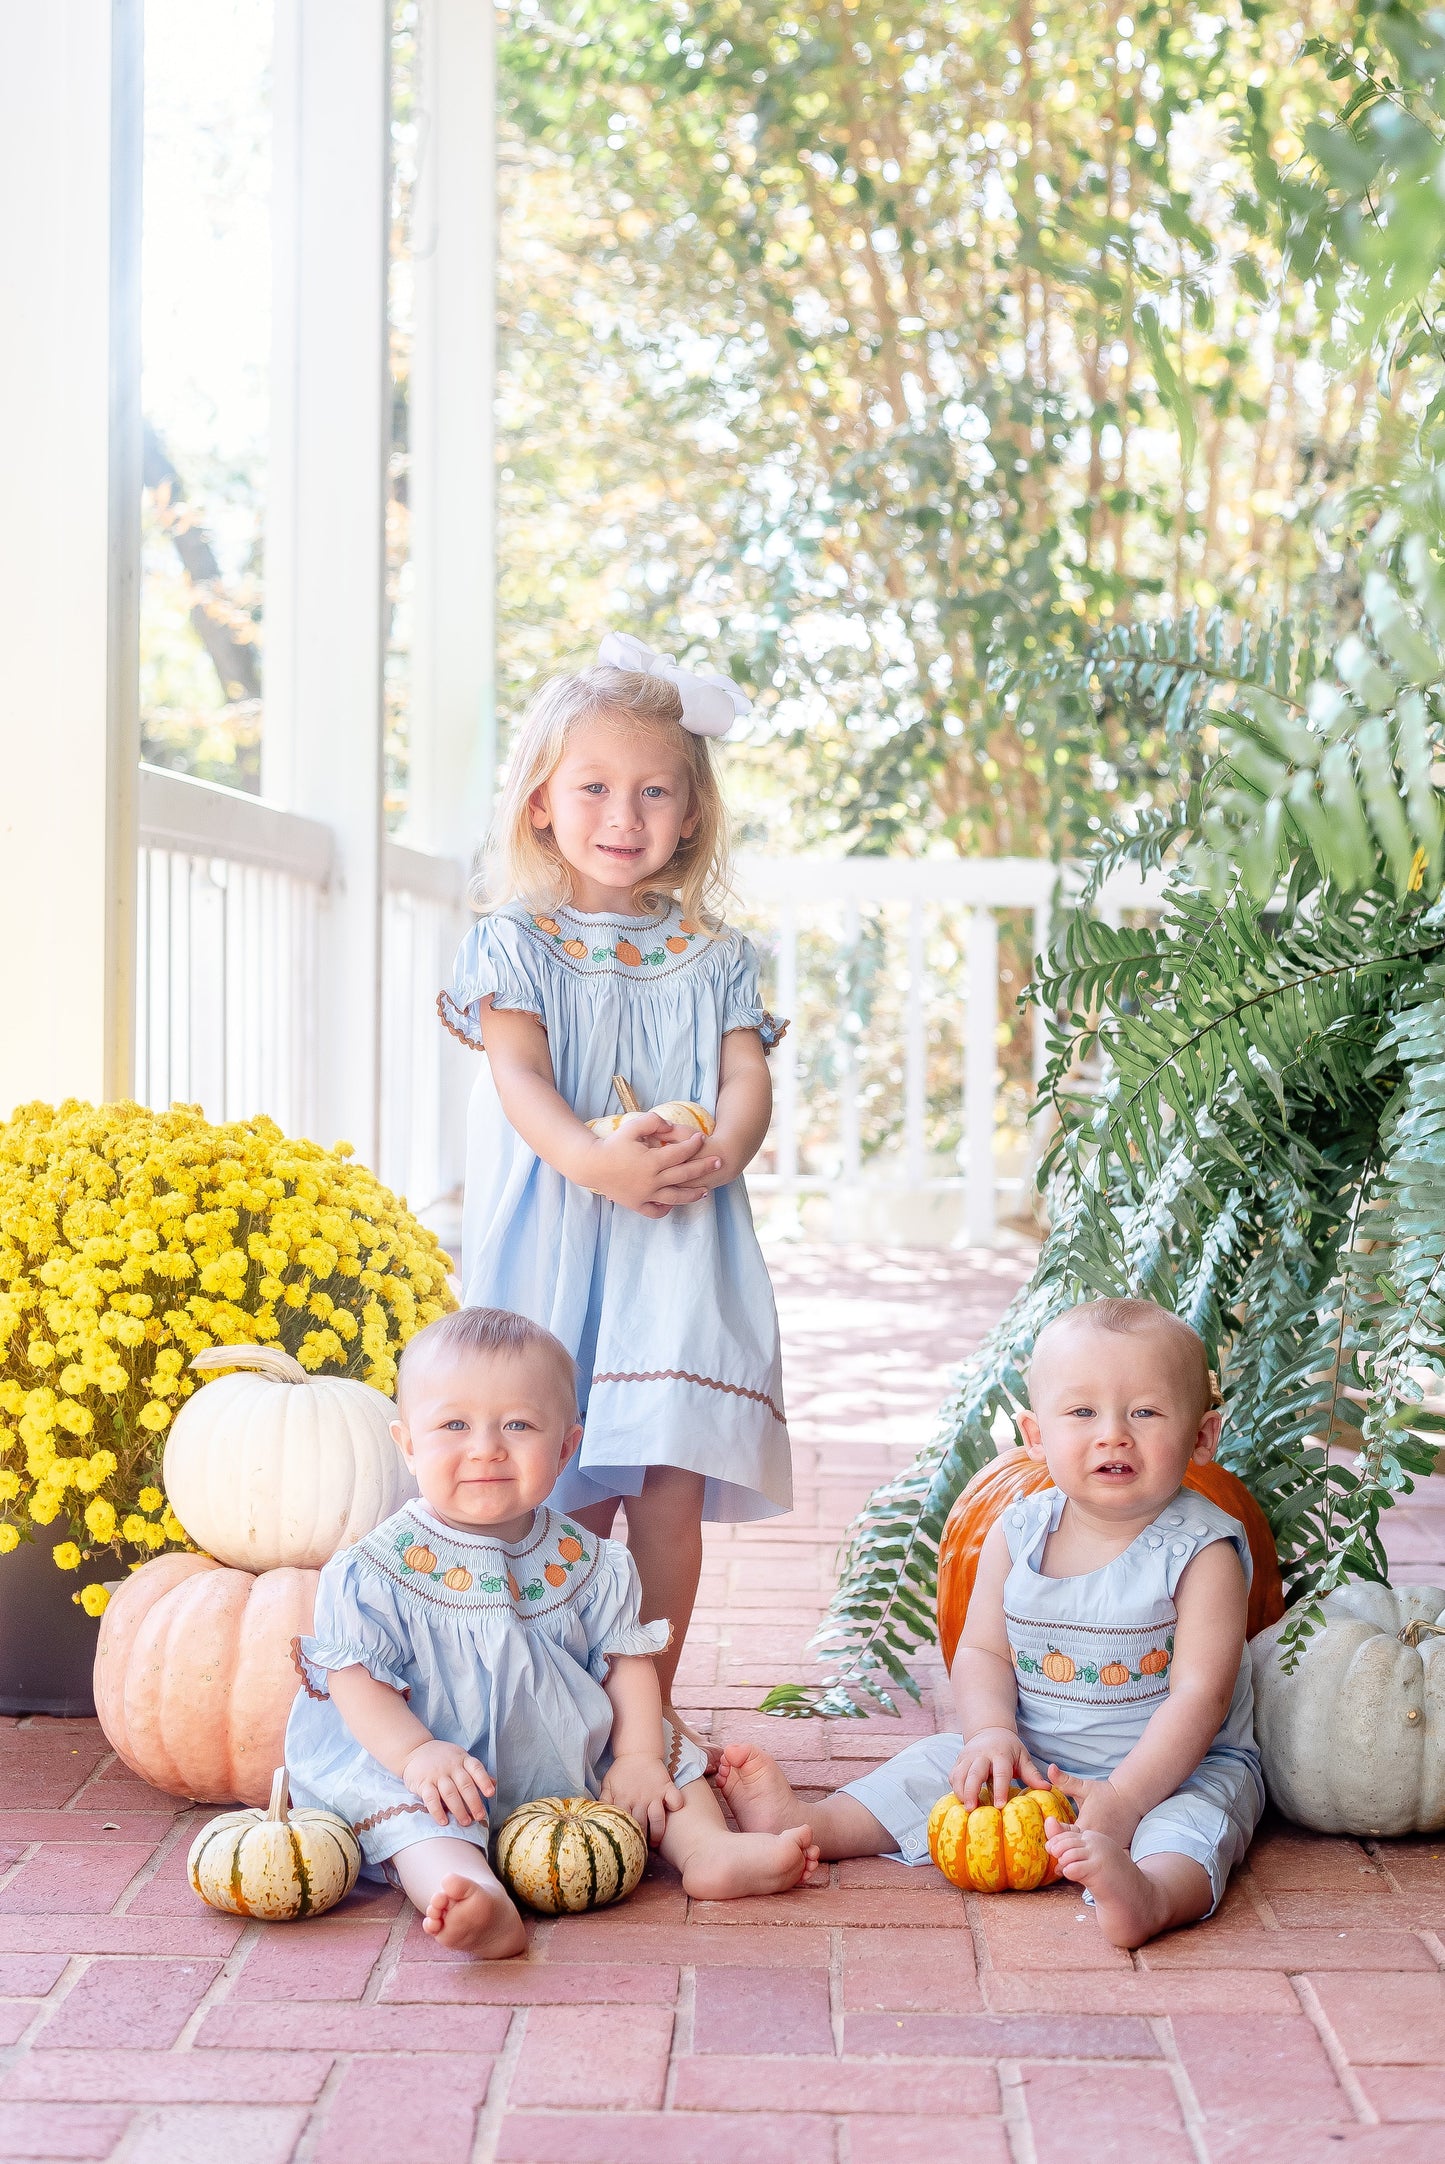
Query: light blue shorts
{"x": 1211, "y": 1817}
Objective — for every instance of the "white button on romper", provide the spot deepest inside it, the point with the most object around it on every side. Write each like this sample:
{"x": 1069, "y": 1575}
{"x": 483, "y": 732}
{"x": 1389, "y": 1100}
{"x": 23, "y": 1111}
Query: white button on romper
{"x": 1092, "y": 1657}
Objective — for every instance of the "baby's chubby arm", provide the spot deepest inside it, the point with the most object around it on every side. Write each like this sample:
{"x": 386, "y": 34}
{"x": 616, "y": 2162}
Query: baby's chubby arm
{"x": 631, "y": 1166}
{"x": 638, "y": 1779}
{"x": 1212, "y": 1601}
{"x": 985, "y": 1689}
{"x": 450, "y": 1782}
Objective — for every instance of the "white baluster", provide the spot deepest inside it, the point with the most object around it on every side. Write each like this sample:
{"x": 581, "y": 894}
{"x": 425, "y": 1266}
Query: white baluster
{"x": 980, "y": 1073}
{"x": 915, "y": 1053}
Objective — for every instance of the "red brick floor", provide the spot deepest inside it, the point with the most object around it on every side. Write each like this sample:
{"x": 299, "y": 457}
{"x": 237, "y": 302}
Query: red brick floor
{"x": 881, "y": 2017}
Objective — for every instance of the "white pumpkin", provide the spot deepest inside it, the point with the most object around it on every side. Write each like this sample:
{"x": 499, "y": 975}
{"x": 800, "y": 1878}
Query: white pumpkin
{"x": 277, "y": 1863}
{"x": 270, "y": 1468}
{"x": 1354, "y": 1740}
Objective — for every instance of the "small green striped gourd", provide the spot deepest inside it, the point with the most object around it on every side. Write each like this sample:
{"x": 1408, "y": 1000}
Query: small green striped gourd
{"x": 276, "y": 1864}
{"x": 564, "y": 1854}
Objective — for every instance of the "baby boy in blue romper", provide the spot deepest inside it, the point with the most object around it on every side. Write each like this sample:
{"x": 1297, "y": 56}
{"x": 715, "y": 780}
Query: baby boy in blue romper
{"x": 1140, "y": 1587}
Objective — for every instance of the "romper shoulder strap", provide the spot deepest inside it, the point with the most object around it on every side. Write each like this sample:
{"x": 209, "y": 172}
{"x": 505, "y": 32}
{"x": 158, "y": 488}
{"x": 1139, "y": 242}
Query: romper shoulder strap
{"x": 1028, "y": 1519}
{"x": 1192, "y": 1522}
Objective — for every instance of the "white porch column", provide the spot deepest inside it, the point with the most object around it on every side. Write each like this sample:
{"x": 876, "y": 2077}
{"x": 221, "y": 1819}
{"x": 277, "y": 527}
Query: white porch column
{"x": 321, "y": 742}
{"x": 70, "y": 163}
{"x": 453, "y": 371}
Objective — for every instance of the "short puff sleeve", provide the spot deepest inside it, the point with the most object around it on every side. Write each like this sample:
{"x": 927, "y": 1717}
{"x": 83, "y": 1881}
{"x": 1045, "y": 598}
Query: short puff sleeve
{"x": 356, "y": 1624}
{"x": 609, "y": 1611}
{"x": 742, "y": 1005}
{"x": 496, "y": 960}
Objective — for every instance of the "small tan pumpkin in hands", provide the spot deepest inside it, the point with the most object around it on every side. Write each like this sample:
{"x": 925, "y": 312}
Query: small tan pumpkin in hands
{"x": 276, "y": 1864}
{"x": 195, "y": 1675}
{"x": 692, "y": 1119}
{"x": 991, "y": 1851}
{"x": 564, "y": 1854}
{"x": 271, "y": 1468}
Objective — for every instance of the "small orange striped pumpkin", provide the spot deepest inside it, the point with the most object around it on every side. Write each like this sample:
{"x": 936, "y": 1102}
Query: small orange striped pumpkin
{"x": 564, "y": 1854}
{"x": 991, "y": 1851}
{"x": 276, "y": 1864}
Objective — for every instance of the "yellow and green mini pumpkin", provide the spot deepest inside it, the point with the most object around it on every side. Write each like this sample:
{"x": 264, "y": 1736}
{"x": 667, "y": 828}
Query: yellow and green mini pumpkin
{"x": 276, "y": 1864}
{"x": 986, "y": 1850}
{"x": 564, "y": 1854}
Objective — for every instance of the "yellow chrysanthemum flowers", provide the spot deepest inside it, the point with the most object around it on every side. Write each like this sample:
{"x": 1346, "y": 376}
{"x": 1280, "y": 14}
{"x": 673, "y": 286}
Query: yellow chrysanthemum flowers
{"x": 129, "y": 1241}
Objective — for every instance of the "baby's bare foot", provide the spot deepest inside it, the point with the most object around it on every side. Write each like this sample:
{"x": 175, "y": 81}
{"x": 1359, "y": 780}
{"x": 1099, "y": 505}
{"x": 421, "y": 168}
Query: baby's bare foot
{"x": 1130, "y": 1906}
{"x": 750, "y": 1863}
{"x": 475, "y": 1919}
{"x": 758, "y": 1792}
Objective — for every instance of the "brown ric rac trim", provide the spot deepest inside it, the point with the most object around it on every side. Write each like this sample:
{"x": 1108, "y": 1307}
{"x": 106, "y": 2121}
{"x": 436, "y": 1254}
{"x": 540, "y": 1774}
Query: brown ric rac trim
{"x": 300, "y": 1667}
{"x": 397, "y": 1810}
{"x": 674, "y": 1756}
{"x": 704, "y": 1382}
{"x": 1126, "y": 1694}
{"x": 451, "y": 1028}
{"x": 540, "y": 1533}
{"x": 1087, "y": 1630}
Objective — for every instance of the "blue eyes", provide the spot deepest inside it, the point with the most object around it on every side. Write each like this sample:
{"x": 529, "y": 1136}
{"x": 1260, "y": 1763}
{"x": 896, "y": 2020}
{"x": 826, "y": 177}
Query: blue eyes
{"x": 596, "y": 788}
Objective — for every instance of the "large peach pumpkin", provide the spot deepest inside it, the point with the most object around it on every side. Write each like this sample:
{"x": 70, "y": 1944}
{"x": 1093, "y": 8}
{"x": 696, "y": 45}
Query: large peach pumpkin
{"x": 194, "y": 1674}
{"x": 1014, "y": 1473}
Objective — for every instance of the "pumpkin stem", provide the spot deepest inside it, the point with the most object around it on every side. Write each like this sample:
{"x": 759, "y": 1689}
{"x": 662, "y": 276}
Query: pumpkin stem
{"x": 1414, "y": 1632}
{"x": 268, "y": 1360}
{"x": 276, "y": 1809}
{"x": 626, "y": 1095}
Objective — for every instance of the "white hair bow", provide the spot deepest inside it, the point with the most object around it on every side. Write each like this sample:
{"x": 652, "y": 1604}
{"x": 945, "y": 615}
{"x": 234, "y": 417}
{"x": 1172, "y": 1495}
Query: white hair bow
{"x": 710, "y": 703}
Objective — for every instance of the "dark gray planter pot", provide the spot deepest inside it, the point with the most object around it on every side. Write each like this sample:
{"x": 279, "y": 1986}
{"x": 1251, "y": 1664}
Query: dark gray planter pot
{"x": 47, "y": 1641}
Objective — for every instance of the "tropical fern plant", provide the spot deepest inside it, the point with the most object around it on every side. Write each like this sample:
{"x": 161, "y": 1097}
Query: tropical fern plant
{"x": 1262, "y": 1146}
{"x": 1249, "y": 1095}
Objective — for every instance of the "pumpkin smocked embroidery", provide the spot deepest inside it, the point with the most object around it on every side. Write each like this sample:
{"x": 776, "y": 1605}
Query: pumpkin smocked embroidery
{"x": 455, "y": 1575}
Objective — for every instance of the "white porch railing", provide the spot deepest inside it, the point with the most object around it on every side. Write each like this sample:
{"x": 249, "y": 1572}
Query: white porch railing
{"x": 890, "y": 1098}
{"x": 887, "y": 1086}
{"x": 233, "y": 896}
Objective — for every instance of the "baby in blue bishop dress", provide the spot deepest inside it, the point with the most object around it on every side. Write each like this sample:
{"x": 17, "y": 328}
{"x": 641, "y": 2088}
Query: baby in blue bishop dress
{"x": 480, "y": 1650}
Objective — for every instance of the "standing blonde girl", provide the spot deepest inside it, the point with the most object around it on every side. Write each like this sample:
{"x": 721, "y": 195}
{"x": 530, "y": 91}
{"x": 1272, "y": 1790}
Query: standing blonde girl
{"x": 603, "y": 955}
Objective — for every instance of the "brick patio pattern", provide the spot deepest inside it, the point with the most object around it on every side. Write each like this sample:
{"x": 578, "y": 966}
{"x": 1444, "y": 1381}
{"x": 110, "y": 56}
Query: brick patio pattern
{"x": 882, "y": 2017}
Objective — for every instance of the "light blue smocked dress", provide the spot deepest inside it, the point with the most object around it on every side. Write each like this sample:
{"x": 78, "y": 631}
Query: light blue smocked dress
{"x": 1114, "y": 1629}
{"x": 671, "y": 1320}
{"x": 500, "y": 1648}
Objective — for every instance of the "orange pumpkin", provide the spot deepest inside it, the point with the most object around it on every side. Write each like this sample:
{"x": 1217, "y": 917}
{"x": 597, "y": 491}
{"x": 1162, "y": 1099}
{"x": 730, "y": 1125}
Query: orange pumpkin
{"x": 997, "y": 1851}
{"x": 686, "y": 924}
{"x": 1014, "y": 1473}
{"x": 629, "y": 954}
{"x": 418, "y": 1557}
{"x": 676, "y": 945}
{"x": 570, "y": 1550}
{"x": 1114, "y": 1674}
{"x": 1057, "y": 1666}
{"x": 554, "y": 1574}
{"x": 458, "y": 1578}
{"x": 1155, "y": 1663}
{"x": 513, "y": 1588}
{"x": 547, "y": 924}
{"x": 577, "y": 948}
{"x": 195, "y": 1676}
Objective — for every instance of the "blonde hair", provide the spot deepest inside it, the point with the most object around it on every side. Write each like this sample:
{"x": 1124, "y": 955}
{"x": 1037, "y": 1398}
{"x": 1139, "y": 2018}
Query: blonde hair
{"x": 524, "y": 863}
{"x": 1123, "y": 1317}
{"x": 490, "y": 1333}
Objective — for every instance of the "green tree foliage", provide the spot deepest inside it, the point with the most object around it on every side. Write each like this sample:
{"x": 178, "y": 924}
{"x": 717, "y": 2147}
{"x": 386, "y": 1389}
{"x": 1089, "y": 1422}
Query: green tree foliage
{"x": 872, "y": 343}
{"x": 1250, "y": 1096}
